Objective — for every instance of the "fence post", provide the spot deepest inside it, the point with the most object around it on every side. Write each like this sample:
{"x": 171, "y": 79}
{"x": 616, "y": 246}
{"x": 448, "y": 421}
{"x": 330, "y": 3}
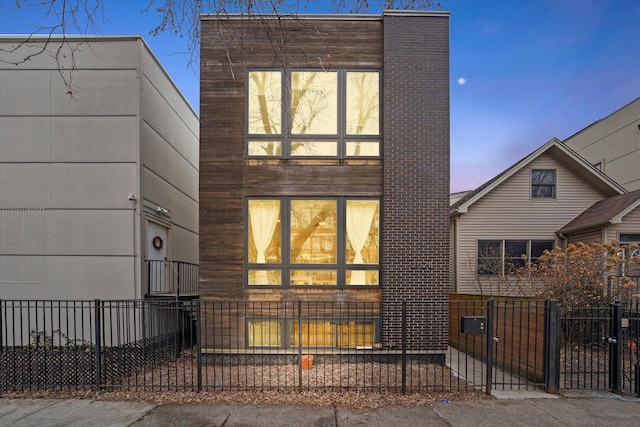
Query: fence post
{"x": 489, "y": 375}
{"x": 615, "y": 361}
{"x": 300, "y": 346}
{"x": 404, "y": 347}
{"x": 197, "y": 316}
{"x": 177, "y": 330}
{"x": 178, "y": 281}
{"x": 98, "y": 346}
{"x": 551, "y": 346}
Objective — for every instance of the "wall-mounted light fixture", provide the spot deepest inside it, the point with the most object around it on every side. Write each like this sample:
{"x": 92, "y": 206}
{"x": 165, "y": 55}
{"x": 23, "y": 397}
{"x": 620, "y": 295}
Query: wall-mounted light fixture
{"x": 162, "y": 210}
{"x": 132, "y": 197}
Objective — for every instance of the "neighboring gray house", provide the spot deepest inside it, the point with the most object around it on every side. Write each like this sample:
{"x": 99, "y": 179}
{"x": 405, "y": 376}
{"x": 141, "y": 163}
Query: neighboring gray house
{"x": 93, "y": 185}
{"x": 612, "y": 144}
{"x": 519, "y": 213}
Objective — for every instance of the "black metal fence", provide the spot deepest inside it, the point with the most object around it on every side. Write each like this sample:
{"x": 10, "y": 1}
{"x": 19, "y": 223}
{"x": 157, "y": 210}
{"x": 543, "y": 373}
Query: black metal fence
{"x": 198, "y": 345}
{"x": 600, "y": 347}
{"x": 221, "y": 345}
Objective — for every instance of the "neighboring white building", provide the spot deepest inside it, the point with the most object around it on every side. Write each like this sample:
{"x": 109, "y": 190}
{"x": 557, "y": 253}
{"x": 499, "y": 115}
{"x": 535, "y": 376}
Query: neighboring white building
{"x": 612, "y": 144}
{"x": 88, "y": 181}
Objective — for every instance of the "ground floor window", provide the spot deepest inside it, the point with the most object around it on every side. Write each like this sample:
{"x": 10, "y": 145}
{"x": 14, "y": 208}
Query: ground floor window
{"x": 505, "y": 257}
{"x": 332, "y": 242}
{"x": 317, "y": 333}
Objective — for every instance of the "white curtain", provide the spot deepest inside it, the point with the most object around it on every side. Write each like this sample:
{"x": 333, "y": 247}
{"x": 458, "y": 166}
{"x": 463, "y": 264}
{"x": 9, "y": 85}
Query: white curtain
{"x": 360, "y": 214}
{"x": 264, "y": 216}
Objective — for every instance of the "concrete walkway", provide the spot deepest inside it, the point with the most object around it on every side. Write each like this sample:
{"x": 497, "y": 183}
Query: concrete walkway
{"x": 598, "y": 409}
{"x": 474, "y": 372}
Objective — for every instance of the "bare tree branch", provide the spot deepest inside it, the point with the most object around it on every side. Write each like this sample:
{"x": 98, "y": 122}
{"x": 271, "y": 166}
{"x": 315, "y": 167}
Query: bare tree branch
{"x": 180, "y": 18}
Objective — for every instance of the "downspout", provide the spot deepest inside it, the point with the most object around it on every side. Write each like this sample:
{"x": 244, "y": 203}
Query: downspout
{"x": 454, "y": 267}
{"x": 564, "y": 239}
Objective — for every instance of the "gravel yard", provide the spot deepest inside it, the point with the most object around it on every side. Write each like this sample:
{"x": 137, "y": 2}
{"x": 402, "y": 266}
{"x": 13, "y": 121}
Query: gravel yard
{"x": 356, "y": 385}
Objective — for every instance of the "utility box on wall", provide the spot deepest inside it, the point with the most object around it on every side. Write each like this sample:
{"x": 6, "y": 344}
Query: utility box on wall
{"x": 473, "y": 325}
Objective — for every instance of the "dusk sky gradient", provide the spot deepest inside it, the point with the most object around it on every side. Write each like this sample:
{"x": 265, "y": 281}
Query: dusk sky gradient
{"x": 522, "y": 71}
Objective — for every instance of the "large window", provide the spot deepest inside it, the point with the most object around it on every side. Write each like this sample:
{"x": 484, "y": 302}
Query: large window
{"x": 313, "y": 114}
{"x": 330, "y": 242}
{"x": 543, "y": 183}
{"x": 505, "y": 257}
{"x": 317, "y": 333}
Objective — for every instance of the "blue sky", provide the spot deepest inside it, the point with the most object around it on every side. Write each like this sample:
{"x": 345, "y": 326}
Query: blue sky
{"x": 522, "y": 71}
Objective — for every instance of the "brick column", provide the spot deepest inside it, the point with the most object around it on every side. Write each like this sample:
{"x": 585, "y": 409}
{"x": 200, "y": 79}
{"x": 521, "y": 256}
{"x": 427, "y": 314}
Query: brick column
{"x": 415, "y": 236}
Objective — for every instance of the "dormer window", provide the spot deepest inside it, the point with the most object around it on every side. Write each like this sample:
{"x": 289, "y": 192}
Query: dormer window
{"x": 543, "y": 183}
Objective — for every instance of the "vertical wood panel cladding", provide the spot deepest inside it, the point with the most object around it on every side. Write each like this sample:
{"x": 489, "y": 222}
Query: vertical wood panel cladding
{"x": 415, "y": 239}
{"x": 228, "y": 48}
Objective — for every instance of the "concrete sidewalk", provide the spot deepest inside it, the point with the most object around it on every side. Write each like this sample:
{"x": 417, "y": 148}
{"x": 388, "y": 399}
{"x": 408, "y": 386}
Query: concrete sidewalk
{"x": 599, "y": 409}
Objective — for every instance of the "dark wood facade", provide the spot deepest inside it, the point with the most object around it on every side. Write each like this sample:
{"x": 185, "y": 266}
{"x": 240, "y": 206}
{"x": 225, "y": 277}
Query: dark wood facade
{"x": 411, "y": 179}
{"x": 229, "y": 48}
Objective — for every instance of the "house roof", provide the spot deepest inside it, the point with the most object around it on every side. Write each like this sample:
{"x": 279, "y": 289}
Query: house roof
{"x": 563, "y": 154}
{"x": 607, "y": 211}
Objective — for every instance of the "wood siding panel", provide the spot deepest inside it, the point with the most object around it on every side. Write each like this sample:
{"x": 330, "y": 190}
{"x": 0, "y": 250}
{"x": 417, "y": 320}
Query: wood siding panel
{"x": 228, "y": 49}
{"x": 508, "y": 212}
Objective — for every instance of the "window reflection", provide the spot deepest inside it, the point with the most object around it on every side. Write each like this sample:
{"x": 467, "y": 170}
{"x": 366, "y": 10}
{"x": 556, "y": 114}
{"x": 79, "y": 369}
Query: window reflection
{"x": 265, "y": 148}
{"x": 363, "y": 149}
{"x": 314, "y": 277}
{"x": 314, "y": 103}
{"x": 265, "y": 106}
{"x": 314, "y": 148}
{"x": 313, "y": 231}
{"x": 363, "y": 103}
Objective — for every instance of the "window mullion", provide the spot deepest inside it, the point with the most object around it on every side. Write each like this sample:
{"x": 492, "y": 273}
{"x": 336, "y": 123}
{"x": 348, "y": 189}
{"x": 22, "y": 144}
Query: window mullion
{"x": 285, "y": 233}
{"x": 341, "y": 241}
{"x": 286, "y": 113}
{"x": 342, "y": 113}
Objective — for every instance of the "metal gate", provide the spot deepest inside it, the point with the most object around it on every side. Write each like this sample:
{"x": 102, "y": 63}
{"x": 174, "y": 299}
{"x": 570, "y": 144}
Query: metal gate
{"x": 599, "y": 349}
{"x": 508, "y": 336}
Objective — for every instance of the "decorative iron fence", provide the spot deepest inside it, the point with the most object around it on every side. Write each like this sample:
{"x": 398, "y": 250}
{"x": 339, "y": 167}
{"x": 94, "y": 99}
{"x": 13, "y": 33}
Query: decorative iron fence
{"x": 209, "y": 345}
{"x": 292, "y": 345}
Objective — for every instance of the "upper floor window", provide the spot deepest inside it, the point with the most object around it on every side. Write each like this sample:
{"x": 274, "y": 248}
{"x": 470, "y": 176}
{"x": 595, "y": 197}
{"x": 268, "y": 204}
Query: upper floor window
{"x": 317, "y": 242}
{"x": 313, "y": 114}
{"x": 543, "y": 183}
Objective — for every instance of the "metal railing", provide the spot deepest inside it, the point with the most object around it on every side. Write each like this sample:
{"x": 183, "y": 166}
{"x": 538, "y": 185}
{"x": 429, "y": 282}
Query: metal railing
{"x": 209, "y": 345}
{"x": 167, "y": 277}
{"x": 293, "y": 345}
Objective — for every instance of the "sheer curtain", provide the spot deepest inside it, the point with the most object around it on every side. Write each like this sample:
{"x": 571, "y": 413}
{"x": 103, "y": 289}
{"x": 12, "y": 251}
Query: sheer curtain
{"x": 360, "y": 214}
{"x": 264, "y": 216}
